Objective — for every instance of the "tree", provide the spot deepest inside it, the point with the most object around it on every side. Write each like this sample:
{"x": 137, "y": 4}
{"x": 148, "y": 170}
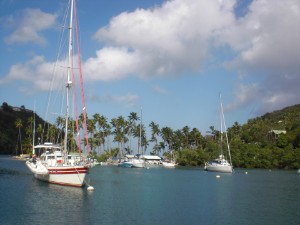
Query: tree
{"x": 186, "y": 132}
{"x": 18, "y": 125}
{"x": 154, "y": 135}
{"x": 120, "y": 128}
{"x": 132, "y": 119}
{"x": 196, "y": 138}
{"x": 166, "y": 135}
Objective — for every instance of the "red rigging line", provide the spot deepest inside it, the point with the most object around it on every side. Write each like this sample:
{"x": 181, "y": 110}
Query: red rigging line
{"x": 75, "y": 108}
{"x": 75, "y": 101}
{"x": 81, "y": 81}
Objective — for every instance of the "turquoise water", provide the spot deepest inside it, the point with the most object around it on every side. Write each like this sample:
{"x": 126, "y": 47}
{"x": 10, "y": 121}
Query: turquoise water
{"x": 151, "y": 196}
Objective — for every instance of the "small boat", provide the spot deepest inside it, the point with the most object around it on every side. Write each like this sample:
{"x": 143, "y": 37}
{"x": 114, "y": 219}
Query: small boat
{"x": 137, "y": 162}
{"x": 125, "y": 164}
{"x": 152, "y": 161}
{"x": 221, "y": 164}
{"x": 169, "y": 164}
{"x": 52, "y": 162}
{"x": 298, "y": 171}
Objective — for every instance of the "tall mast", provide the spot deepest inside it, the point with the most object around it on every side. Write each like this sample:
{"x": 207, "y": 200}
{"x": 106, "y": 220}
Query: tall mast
{"x": 225, "y": 128}
{"x": 221, "y": 121}
{"x": 140, "y": 138}
{"x": 69, "y": 82}
{"x": 33, "y": 138}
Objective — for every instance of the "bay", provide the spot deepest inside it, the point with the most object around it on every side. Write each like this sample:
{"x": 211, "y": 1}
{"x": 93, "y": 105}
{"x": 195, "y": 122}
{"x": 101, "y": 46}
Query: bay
{"x": 151, "y": 196}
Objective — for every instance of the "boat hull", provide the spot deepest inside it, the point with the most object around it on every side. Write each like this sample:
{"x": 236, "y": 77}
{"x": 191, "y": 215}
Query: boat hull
{"x": 125, "y": 164}
{"x": 62, "y": 175}
{"x": 219, "y": 168}
{"x": 138, "y": 163}
{"x": 169, "y": 164}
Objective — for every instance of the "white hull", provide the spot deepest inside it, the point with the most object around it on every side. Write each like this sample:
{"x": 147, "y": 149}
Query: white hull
{"x": 62, "y": 175}
{"x": 219, "y": 168}
{"x": 138, "y": 163}
{"x": 169, "y": 164}
{"x": 152, "y": 165}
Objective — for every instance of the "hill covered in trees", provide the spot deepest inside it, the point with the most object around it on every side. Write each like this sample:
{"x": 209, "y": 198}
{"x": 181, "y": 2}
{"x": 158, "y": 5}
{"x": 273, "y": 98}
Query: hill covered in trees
{"x": 268, "y": 141}
{"x": 16, "y": 129}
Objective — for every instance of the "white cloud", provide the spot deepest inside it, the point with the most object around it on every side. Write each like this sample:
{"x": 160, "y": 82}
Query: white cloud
{"x": 111, "y": 64}
{"x": 267, "y": 38}
{"x": 181, "y": 36}
{"x": 266, "y": 42}
{"x": 28, "y": 25}
{"x": 162, "y": 41}
{"x": 129, "y": 100}
{"x": 38, "y": 72}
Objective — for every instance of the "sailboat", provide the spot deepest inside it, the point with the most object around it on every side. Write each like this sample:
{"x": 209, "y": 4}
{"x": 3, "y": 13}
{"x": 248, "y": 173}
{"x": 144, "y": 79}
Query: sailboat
{"x": 221, "y": 164}
{"x": 137, "y": 161}
{"x": 52, "y": 162}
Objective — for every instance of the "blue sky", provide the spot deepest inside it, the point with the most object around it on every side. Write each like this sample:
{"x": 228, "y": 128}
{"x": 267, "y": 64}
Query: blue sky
{"x": 170, "y": 57}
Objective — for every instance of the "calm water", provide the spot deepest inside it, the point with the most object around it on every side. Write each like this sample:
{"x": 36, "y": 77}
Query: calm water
{"x": 151, "y": 196}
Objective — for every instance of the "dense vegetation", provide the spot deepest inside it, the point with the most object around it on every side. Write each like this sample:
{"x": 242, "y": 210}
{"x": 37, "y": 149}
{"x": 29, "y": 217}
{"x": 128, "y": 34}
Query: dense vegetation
{"x": 269, "y": 141}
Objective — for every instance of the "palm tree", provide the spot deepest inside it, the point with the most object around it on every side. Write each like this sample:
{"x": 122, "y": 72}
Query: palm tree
{"x": 186, "y": 131}
{"x": 18, "y": 124}
{"x": 154, "y": 134}
{"x": 101, "y": 124}
{"x": 166, "y": 135}
{"x": 132, "y": 118}
{"x": 91, "y": 124}
{"x": 120, "y": 131}
{"x": 196, "y": 138}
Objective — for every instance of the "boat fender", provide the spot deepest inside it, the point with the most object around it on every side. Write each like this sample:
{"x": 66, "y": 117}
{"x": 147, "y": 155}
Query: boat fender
{"x": 90, "y": 188}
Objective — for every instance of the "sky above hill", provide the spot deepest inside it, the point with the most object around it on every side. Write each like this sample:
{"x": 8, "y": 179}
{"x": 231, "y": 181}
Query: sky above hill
{"x": 172, "y": 58}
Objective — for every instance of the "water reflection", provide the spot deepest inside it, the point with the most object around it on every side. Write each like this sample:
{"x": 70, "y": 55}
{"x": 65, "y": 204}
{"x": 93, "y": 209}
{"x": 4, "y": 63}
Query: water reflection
{"x": 58, "y": 204}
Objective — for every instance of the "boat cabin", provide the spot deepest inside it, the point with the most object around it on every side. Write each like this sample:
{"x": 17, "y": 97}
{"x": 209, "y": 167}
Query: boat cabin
{"x": 152, "y": 159}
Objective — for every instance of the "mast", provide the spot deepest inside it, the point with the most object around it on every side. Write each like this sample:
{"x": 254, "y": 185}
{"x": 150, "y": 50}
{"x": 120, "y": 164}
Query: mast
{"x": 140, "y": 137}
{"x": 33, "y": 138}
{"x": 223, "y": 119}
{"x": 69, "y": 82}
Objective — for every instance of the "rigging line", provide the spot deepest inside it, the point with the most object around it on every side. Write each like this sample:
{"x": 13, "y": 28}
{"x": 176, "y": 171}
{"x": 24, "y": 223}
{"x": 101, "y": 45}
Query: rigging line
{"x": 54, "y": 69}
{"x": 224, "y": 123}
{"x": 81, "y": 81}
{"x": 75, "y": 107}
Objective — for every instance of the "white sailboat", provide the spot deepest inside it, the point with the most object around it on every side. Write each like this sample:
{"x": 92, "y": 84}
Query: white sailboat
{"x": 54, "y": 163}
{"x": 221, "y": 164}
{"x": 137, "y": 161}
{"x": 170, "y": 164}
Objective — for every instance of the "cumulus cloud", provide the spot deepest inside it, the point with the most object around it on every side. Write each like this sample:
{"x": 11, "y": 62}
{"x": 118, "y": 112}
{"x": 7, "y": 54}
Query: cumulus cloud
{"x": 42, "y": 75}
{"x": 181, "y": 36}
{"x": 266, "y": 38}
{"x": 266, "y": 42}
{"x": 162, "y": 41}
{"x": 28, "y": 26}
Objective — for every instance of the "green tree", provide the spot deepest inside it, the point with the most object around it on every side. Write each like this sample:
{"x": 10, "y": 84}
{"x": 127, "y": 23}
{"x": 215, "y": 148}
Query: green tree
{"x": 18, "y": 125}
{"x": 154, "y": 136}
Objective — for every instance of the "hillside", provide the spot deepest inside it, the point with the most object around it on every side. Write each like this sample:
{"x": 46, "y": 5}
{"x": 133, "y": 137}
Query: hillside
{"x": 9, "y": 130}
